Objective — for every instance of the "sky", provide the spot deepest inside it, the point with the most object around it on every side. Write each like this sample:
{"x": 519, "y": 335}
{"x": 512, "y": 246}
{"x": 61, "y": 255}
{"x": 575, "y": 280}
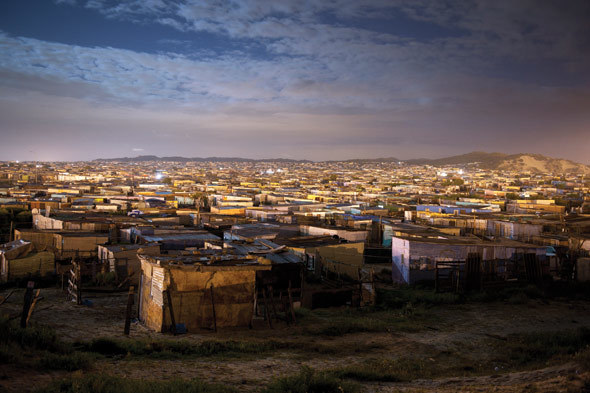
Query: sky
{"x": 319, "y": 80}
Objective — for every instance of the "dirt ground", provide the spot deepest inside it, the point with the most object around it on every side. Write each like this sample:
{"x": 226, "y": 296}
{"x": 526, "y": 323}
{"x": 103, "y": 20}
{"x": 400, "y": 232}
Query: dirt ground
{"x": 466, "y": 328}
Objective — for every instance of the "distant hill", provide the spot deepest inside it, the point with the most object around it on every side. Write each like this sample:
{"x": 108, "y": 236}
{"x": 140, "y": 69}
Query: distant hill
{"x": 523, "y": 162}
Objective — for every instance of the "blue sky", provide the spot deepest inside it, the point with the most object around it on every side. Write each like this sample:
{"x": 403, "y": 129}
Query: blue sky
{"x": 333, "y": 79}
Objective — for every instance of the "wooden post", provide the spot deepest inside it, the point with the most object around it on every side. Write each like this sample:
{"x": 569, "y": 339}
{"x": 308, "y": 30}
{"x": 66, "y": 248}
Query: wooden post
{"x": 11, "y": 230}
{"x": 27, "y": 303}
{"x": 436, "y": 277}
{"x": 171, "y": 311}
{"x": 254, "y": 309}
{"x": 291, "y": 304}
{"x": 266, "y": 310}
{"x": 272, "y": 302}
{"x": 78, "y": 283}
{"x": 130, "y": 298}
{"x": 32, "y": 307}
{"x": 172, "y": 320}
{"x": 213, "y": 307}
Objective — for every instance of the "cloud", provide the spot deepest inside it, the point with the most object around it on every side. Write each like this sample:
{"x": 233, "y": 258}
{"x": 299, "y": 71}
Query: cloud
{"x": 336, "y": 73}
{"x": 136, "y": 149}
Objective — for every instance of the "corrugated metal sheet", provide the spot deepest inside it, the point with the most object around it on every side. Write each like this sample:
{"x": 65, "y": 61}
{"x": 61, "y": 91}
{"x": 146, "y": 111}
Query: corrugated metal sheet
{"x": 158, "y": 286}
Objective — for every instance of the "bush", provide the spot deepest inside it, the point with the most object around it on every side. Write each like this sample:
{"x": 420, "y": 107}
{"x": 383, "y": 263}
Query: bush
{"x": 310, "y": 381}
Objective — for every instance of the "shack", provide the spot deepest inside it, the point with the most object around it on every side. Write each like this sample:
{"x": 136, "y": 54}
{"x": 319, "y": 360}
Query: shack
{"x": 122, "y": 259}
{"x": 19, "y": 261}
{"x": 64, "y": 244}
{"x": 197, "y": 292}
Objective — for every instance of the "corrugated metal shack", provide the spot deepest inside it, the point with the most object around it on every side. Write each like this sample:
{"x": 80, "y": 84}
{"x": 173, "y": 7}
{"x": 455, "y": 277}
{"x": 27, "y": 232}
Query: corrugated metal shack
{"x": 122, "y": 259}
{"x": 197, "y": 291}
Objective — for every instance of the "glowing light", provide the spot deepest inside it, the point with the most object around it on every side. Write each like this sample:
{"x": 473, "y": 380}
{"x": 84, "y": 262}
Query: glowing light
{"x": 158, "y": 176}
{"x": 460, "y": 171}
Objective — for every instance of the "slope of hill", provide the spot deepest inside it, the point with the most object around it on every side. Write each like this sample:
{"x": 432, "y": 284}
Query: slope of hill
{"x": 522, "y": 162}
{"x": 542, "y": 164}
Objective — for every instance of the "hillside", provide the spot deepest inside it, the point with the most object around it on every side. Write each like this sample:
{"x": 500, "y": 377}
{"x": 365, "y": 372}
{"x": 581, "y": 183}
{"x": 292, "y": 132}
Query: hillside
{"x": 523, "y": 162}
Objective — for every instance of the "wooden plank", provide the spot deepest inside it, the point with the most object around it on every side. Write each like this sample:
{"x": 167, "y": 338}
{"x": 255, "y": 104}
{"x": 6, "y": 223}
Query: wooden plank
{"x": 272, "y": 302}
{"x": 266, "y": 310}
{"x": 130, "y": 297}
{"x": 32, "y": 306}
{"x": 7, "y": 297}
{"x": 213, "y": 306}
{"x": 171, "y": 310}
{"x": 79, "y": 284}
{"x": 27, "y": 303}
{"x": 289, "y": 292}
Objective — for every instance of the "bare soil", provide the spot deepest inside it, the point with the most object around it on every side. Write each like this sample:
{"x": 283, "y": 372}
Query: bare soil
{"x": 467, "y": 328}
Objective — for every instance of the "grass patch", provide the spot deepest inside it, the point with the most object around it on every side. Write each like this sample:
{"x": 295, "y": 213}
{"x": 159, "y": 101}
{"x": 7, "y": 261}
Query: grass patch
{"x": 69, "y": 362}
{"x": 175, "y": 349}
{"x": 442, "y": 363}
{"x": 398, "y": 298}
{"x": 38, "y": 347}
{"x": 333, "y": 323}
{"x": 383, "y": 370}
{"x": 169, "y": 349}
{"x": 311, "y": 381}
{"x": 33, "y": 337}
{"x": 97, "y": 383}
{"x": 534, "y": 349}
{"x": 518, "y": 352}
{"x": 510, "y": 294}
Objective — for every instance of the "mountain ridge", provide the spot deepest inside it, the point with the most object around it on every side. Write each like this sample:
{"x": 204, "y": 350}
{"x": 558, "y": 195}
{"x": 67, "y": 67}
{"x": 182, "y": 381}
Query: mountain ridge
{"x": 497, "y": 161}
